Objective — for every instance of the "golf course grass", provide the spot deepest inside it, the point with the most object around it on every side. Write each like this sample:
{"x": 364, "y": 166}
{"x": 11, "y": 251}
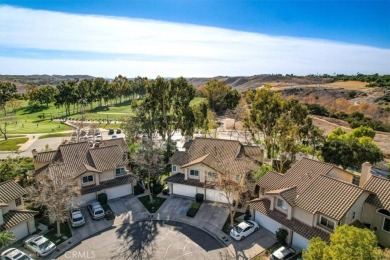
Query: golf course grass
{"x": 12, "y": 144}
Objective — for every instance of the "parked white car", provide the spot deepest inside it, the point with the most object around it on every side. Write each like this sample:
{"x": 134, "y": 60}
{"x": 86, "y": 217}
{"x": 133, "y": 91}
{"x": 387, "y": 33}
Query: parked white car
{"x": 14, "y": 254}
{"x": 244, "y": 229}
{"x": 39, "y": 245}
{"x": 76, "y": 218}
{"x": 96, "y": 210}
{"x": 283, "y": 253}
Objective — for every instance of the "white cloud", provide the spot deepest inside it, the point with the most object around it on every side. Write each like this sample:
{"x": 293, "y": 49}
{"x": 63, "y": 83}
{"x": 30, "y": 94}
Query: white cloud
{"x": 168, "y": 49}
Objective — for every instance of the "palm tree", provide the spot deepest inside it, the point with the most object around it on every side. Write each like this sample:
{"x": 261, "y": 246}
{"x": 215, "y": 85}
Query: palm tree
{"x": 6, "y": 238}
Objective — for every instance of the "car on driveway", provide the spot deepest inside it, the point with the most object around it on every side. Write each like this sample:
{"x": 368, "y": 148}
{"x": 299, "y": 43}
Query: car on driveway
{"x": 244, "y": 229}
{"x": 118, "y": 131}
{"x": 76, "y": 218}
{"x": 283, "y": 252}
{"x": 111, "y": 131}
{"x": 96, "y": 210}
{"x": 14, "y": 254}
{"x": 39, "y": 245}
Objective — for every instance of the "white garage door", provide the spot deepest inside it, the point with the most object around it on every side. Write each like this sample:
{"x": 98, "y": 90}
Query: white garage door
{"x": 267, "y": 222}
{"x": 299, "y": 241}
{"x": 85, "y": 199}
{"x": 20, "y": 231}
{"x": 120, "y": 191}
{"x": 184, "y": 190}
{"x": 215, "y": 195}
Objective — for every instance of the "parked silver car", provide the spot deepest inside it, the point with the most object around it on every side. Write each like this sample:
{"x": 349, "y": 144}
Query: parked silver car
{"x": 96, "y": 210}
{"x": 76, "y": 218}
{"x": 14, "y": 254}
{"x": 39, "y": 245}
{"x": 283, "y": 253}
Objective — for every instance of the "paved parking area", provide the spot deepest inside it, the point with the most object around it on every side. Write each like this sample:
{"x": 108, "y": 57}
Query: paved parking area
{"x": 150, "y": 240}
{"x": 214, "y": 213}
{"x": 127, "y": 208}
{"x": 175, "y": 205}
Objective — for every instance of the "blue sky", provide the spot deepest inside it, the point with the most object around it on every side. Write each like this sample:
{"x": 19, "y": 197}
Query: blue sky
{"x": 194, "y": 38}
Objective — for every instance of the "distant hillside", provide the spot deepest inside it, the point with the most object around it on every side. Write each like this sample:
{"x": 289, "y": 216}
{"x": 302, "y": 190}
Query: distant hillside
{"x": 38, "y": 80}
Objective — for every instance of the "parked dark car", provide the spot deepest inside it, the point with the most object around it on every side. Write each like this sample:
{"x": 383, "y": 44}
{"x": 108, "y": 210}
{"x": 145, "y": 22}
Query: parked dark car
{"x": 111, "y": 131}
{"x": 118, "y": 131}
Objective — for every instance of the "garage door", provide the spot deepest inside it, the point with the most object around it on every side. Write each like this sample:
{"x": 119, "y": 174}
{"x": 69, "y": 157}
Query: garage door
{"x": 299, "y": 241}
{"x": 20, "y": 231}
{"x": 215, "y": 195}
{"x": 120, "y": 191}
{"x": 184, "y": 190}
{"x": 267, "y": 222}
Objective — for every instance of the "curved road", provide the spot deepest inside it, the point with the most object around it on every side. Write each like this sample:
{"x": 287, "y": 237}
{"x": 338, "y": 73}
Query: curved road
{"x": 150, "y": 240}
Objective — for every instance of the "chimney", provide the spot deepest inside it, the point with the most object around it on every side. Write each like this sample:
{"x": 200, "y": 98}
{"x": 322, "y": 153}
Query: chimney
{"x": 365, "y": 174}
{"x": 34, "y": 152}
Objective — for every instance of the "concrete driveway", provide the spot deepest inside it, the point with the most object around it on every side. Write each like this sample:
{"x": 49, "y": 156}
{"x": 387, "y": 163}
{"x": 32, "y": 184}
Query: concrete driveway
{"x": 127, "y": 208}
{"x": 214, "y": 213}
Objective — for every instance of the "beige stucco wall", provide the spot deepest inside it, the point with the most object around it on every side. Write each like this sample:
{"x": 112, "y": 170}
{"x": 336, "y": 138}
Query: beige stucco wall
{"x": 370, "y": 215}
{"x": 357, "y": 208}
{"x": 341, "y": 175}
{"x": 303, "y": 216}
{"x": 107, "y": 175}
{"x": 31, "y": 225}
{"x": 203, "y": 170}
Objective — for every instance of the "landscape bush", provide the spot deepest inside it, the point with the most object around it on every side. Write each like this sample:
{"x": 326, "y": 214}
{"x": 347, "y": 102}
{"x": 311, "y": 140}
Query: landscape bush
{"x": 281, "y": 235}
{"x": 193, "y": 209}
{"x": 102, "y": 198}
{"x": 138, "y": 190}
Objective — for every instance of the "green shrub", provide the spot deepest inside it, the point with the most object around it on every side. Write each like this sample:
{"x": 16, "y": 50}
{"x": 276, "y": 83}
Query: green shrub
{"x": 199, "y": 197}
{"x": 281, "y": 235}
{"x": 165, "y": 191}
{"x": 102, "y": 198}
{"x": 138, "y": 190}
{"x": 193, "y": 209}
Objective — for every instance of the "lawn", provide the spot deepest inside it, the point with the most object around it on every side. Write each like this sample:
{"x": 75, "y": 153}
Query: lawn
{"x": 226, "y": 227}
{"x": 12, "y": 144}
{"x": 55, "y": 135}
{"x": 52, "y": 234}
{"x": 151, "y": 207}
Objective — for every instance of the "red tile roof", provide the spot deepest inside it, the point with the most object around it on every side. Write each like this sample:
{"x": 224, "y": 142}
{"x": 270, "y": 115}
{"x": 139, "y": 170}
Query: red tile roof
{"x": 15, "y": 217}
{"x": 9, "y": 191}
{"x": 381, "y": 189}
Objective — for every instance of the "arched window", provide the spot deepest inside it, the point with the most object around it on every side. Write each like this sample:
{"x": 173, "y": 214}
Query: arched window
{"x": 386, "y": 219}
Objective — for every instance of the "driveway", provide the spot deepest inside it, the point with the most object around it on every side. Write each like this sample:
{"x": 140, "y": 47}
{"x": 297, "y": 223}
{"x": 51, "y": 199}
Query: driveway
{"x": 214, "y": 213}
{"x": 127, "y": 208}
{"x": 150, "y": 240}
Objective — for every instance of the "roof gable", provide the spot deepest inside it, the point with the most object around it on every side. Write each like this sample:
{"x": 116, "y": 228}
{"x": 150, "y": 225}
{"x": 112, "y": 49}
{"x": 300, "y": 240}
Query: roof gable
{"x": 9, "y": 191}
{"x": 108, "y": 157}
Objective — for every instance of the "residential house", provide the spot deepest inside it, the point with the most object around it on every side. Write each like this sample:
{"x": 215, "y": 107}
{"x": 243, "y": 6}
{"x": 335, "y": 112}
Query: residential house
{"x": 313, "y": 197}
{"x": 101, "y": 169}
{"x": 206, "y": 161}
{"x": 13, "y": 217}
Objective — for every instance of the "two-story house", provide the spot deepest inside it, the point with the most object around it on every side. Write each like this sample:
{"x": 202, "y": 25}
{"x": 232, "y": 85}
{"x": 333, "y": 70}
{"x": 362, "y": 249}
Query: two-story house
{"x": 13, "y": 217}
{"x": 313, "y": 197}
{"x": 101, "y": 169}
{"x": 206, "y": 161}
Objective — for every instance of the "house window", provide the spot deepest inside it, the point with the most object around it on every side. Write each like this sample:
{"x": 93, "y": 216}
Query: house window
{"x": 18, "y": 202}
{"x": 386, "y": 224}
{"x": 282, "y": 204}
{"x": 238, "y": 177}
{"x": 173, "y": 168}
{"x": 353, "y": 215}
{"x": 194, "y": 173}
{"x": 88, "y": 179}
{"x": 211, "y": 175}
{"x": 119, "y": 171}
{"x": 327, "y": 222}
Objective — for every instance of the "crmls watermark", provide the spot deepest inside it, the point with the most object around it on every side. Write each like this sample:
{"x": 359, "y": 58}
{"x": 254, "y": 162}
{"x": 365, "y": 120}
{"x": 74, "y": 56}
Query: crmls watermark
{"x": 80, "y": 254}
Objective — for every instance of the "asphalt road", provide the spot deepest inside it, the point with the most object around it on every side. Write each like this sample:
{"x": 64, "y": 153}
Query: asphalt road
{"x": 150, "y": 240}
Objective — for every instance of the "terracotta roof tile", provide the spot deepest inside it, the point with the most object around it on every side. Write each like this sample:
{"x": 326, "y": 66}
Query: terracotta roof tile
{"x": 254, "y": 152}
{"x": 14, "y": 217}
{"x": 288, "y": 194}
{"x": 271, "y": 180}
{"x": 110, "y": 142}
{"x": 9, "y": 191}
{"x": 118, "y": 181}
{"x": 108, "y": 157}
{"x": 179, "y": 158}
{"x": 329, "y": 196}
{"x": 262, "y": 205}
{"x": 381, "y": 187}
{"x": 179, "y": 179}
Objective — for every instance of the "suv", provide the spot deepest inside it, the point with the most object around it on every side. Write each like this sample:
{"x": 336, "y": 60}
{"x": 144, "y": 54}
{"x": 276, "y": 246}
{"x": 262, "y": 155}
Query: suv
{"x": 76, "y": 218}
{"x": 96, "y": 210}
{"x": 118, "y": 131}
{"x": 111, "y": 131}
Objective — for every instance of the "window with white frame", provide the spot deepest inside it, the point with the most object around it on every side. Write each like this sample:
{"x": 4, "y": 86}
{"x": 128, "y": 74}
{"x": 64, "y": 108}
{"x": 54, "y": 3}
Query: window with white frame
{"x": 386, "y": 219}
{"x": 324, "y": 221}
{"x": 119, "y": 171}
{"x": 88, "y": 179}
{"x": 173, "y": 168}
{"x": 282, "y": 204}
{"x": 211, "y": 175}
{"x": 194, "y": 173}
